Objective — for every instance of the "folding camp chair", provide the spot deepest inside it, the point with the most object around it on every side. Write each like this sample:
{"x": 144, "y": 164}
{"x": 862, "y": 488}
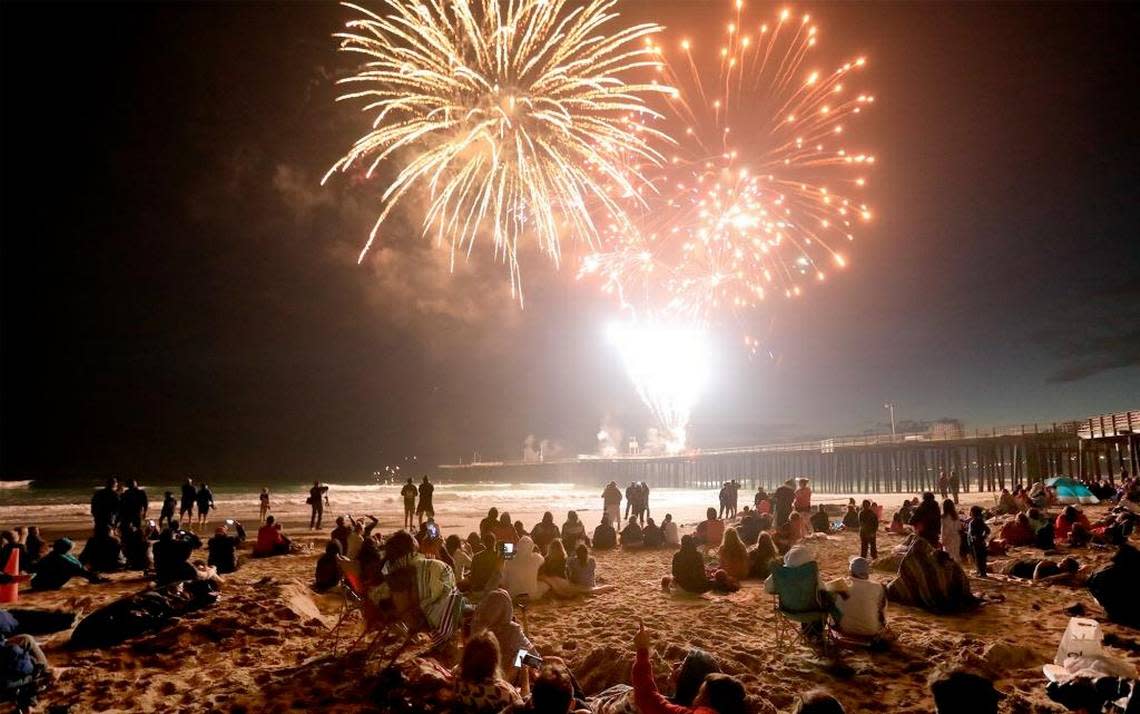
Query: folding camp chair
{"x": 356, "y": 601}
{"x": 798, "y": 605}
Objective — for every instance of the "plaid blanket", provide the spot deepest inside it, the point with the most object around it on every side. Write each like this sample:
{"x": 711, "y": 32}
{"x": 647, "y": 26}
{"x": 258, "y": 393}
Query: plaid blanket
{"x": 931, "y": 580}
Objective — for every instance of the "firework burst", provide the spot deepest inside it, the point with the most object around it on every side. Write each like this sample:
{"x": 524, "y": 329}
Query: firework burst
{"x": 760, "y": 198}
{"x": 511, "y": 117}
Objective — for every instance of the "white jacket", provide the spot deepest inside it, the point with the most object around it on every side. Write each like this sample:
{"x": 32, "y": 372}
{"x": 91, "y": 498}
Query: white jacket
{"x": 520, "y": 573}
{"x": 669, "y": 531}
{"x": 859, "y": 611}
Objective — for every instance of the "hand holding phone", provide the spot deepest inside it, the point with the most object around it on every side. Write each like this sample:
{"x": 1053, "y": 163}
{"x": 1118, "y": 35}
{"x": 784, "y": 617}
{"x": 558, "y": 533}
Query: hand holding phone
{"x": 525, "y": 658}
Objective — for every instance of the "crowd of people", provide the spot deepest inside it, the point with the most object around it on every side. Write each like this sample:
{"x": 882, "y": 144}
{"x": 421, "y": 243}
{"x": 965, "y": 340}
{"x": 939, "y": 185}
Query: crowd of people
{"x": 465, "y": 592}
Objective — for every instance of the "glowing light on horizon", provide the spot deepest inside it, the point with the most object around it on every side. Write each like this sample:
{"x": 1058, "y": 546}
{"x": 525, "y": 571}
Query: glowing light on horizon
{"x": 669, "y": 366}
{"x": 510, "y": 119}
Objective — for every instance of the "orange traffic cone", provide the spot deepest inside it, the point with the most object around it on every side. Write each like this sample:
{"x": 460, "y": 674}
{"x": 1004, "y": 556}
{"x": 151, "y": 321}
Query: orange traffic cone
{"x": 10, "y": 592}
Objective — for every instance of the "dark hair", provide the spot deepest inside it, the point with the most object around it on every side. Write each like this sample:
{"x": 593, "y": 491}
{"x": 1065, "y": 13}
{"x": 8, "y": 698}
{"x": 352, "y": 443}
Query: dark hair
{"x": 332, "y": 547}
{"x": 552, "y": 690}
{"x": 452, "y": 543}
{"x": 711, "y": 514}
{"x": 268, "y": 521}
{"x": 960, "y": 690}
{"x": 480, "y": 661}
{"x": 697, "y": 665}
{"x": 582, "y": 552}
{"x": 489, "y": 540}
{"x": 724, "y": 693}
{"x": 948, "y": 508}
{"x": 818, "y": 701}
{"x": 399, "y": 544}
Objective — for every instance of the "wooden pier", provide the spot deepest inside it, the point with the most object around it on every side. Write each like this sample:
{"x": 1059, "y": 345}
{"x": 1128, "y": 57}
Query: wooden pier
{"x": 987, "y": 460}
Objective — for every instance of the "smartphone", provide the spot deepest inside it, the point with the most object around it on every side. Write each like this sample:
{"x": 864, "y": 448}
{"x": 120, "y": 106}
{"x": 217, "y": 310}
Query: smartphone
{"x": 229, "y": 521}
{"x": 507, "y": 550}
{"x": 432, "y": 530}
{"x": 526, "y": 658}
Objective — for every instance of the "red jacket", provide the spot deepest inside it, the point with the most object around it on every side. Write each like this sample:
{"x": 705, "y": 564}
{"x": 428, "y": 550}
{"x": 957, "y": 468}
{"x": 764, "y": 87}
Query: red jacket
{"x": 646, "y": 696}
{"x": 1062, "y": 526}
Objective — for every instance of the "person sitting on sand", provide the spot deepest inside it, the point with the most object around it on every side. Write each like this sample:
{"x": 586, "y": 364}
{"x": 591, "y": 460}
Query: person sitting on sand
{"x": 505, "y": 529}
{"x": 23, "y": 665}
{"x": 861, "y": 602}
{"x": 820, "y": 523}
{"x": 270, "y": 540}
{"x": 136, "y": 547}
{"x": 487, "y": 525}
{"x": 103, "y": 552}
{"x": 327, "y": 575}
{"x": 520, "y": 530}
{"x": 1017, "y": 532}
{"x": 359, "y": 534}
{"x": 710, "y": 532}
{"x": 652, "y": 534}
{"x": 223, "y": 548}
{"x": 486, "y": 567}
{"x": 520, "y": 573}
{"x": 545, "y": 531}
{"x": 340, "y": 533}
{"x": 34, "y": 549}
{"x": 581, "y": 569}
{"x": 480, "y": 687}
{"x": 927, "y": 519}
{"x": 688, "y": 676}
{"x": 761, "y": 556}
{"x": 172, "y": 555}
{"x": 818, "y": 701}
{"x": 59, "y": 566}
{"x": 718, "y": 693}
{"x": 959, "y": 690}
{"x": 422, "y": 593}
{"x": 851, "y": 518}
{"x": 495, "y": 614}
{"x": 460, "y": 555}
{"x": 1070, "y": 519}
{"x": 749, "y": 527}
{"x": 554, "y": 573}
{"x": 631, "y": 535}
{"x": 552, "y": 691}
{"x": 689, "y": 568}
{"x": 573, "y": 530}
{"x": 605, "y": 537}
{"x": 760, "y": 498}
{"x": 789, "y": 534}
{"x": 733, "y": 555}
{"x": 670, "y": 532}
{"x": 1006, "y": 505}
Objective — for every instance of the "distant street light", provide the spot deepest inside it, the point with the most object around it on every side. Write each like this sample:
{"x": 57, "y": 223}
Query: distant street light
{"x": 890, "y": 406}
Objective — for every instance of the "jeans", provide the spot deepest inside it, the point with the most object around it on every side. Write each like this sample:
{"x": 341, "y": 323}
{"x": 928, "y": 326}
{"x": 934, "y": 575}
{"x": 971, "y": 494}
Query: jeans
{"x": 868, "y": 542}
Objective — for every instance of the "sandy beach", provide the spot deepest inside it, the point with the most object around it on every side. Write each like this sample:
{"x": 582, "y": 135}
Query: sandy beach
{"x": 264, "y": 646}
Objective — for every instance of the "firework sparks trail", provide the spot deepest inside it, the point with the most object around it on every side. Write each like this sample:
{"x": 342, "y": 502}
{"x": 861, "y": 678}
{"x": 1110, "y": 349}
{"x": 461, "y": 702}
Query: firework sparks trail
{"x": 512, "y": 116}
{"x": 757, "y": 199}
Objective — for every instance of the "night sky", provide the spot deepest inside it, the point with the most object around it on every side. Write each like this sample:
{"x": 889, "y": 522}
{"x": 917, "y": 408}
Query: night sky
{"x": 180, "y": 295}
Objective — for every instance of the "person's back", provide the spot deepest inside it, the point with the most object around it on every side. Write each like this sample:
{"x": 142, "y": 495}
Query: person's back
{"x": 269, "y": 539}
{"x": 223, "y": 551}
{"x": 860, "y": 612}
{"x": 605, "y": 537}
{"x": 652, "y": 535}
{"x": 710, "y": 532}
{"x": 689, "y": 569}
{"x": 582, "y": 572}
{"x": 327, "y": 574}
{"x": 485, "y": 565}
{"x": 820, "y": 522}
{"x": 670, "y": 532}
{"x": 749, "y": 527}
{"x": 959, "y": 690}
{"x": 103, "y": 553}
{"x": 520, "y": 573}
{"x": 631, "y": 536}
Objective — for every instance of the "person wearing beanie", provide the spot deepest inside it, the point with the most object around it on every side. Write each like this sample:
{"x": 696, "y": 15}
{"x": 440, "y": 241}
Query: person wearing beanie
{"x": 861, "y": 602}
{"x": 60, "y": 566}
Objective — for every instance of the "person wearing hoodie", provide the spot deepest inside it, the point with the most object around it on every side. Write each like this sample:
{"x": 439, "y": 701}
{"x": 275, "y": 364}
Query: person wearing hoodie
{"x": 495, "y": 614}
{"x": 670, "y": 532}
{"x": 718, "y": 693}
{"x": 59, "y": 566}
{"x": 927, "y": 520}
{"x": 520, "y": 573}
{"x": 545, "y": 531}
{"x": 605, "y": 537}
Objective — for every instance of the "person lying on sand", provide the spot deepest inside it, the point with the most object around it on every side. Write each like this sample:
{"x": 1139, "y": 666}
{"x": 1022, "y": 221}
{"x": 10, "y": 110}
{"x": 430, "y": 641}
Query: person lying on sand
{"x": 718, "y": 693}
{"x": 1039, "y": 568}
{"x": 60, "y": 566}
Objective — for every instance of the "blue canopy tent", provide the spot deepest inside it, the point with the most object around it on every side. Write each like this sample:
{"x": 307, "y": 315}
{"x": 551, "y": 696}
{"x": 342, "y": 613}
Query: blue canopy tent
{"x": 1070, "y": 491}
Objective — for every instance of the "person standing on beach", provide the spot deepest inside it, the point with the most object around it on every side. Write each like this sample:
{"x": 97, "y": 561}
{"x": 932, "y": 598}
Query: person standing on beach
{"x": 784, "y": 496}
{"x": 264, "y": 508}
{"x": 943, "y": 485}
{"x": 978, "y": 532}
{"x": 189, "y": 496}
{"x": 105, "y": 504}
{"x": 133, "y": 505}
{"x": 169, "y": 505}
{"x": 425, "y": 507}
{"x": 318, "y": 497}
{"x": 611, "y": 500}
{"x": 630, "y": 497}
{"x": 868, "y": 530}
{"x": 205, "y": 500}
{"x": 951, "y": 531}
{"x": 409, "y": 494}
{"x": 954, "y": 484}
